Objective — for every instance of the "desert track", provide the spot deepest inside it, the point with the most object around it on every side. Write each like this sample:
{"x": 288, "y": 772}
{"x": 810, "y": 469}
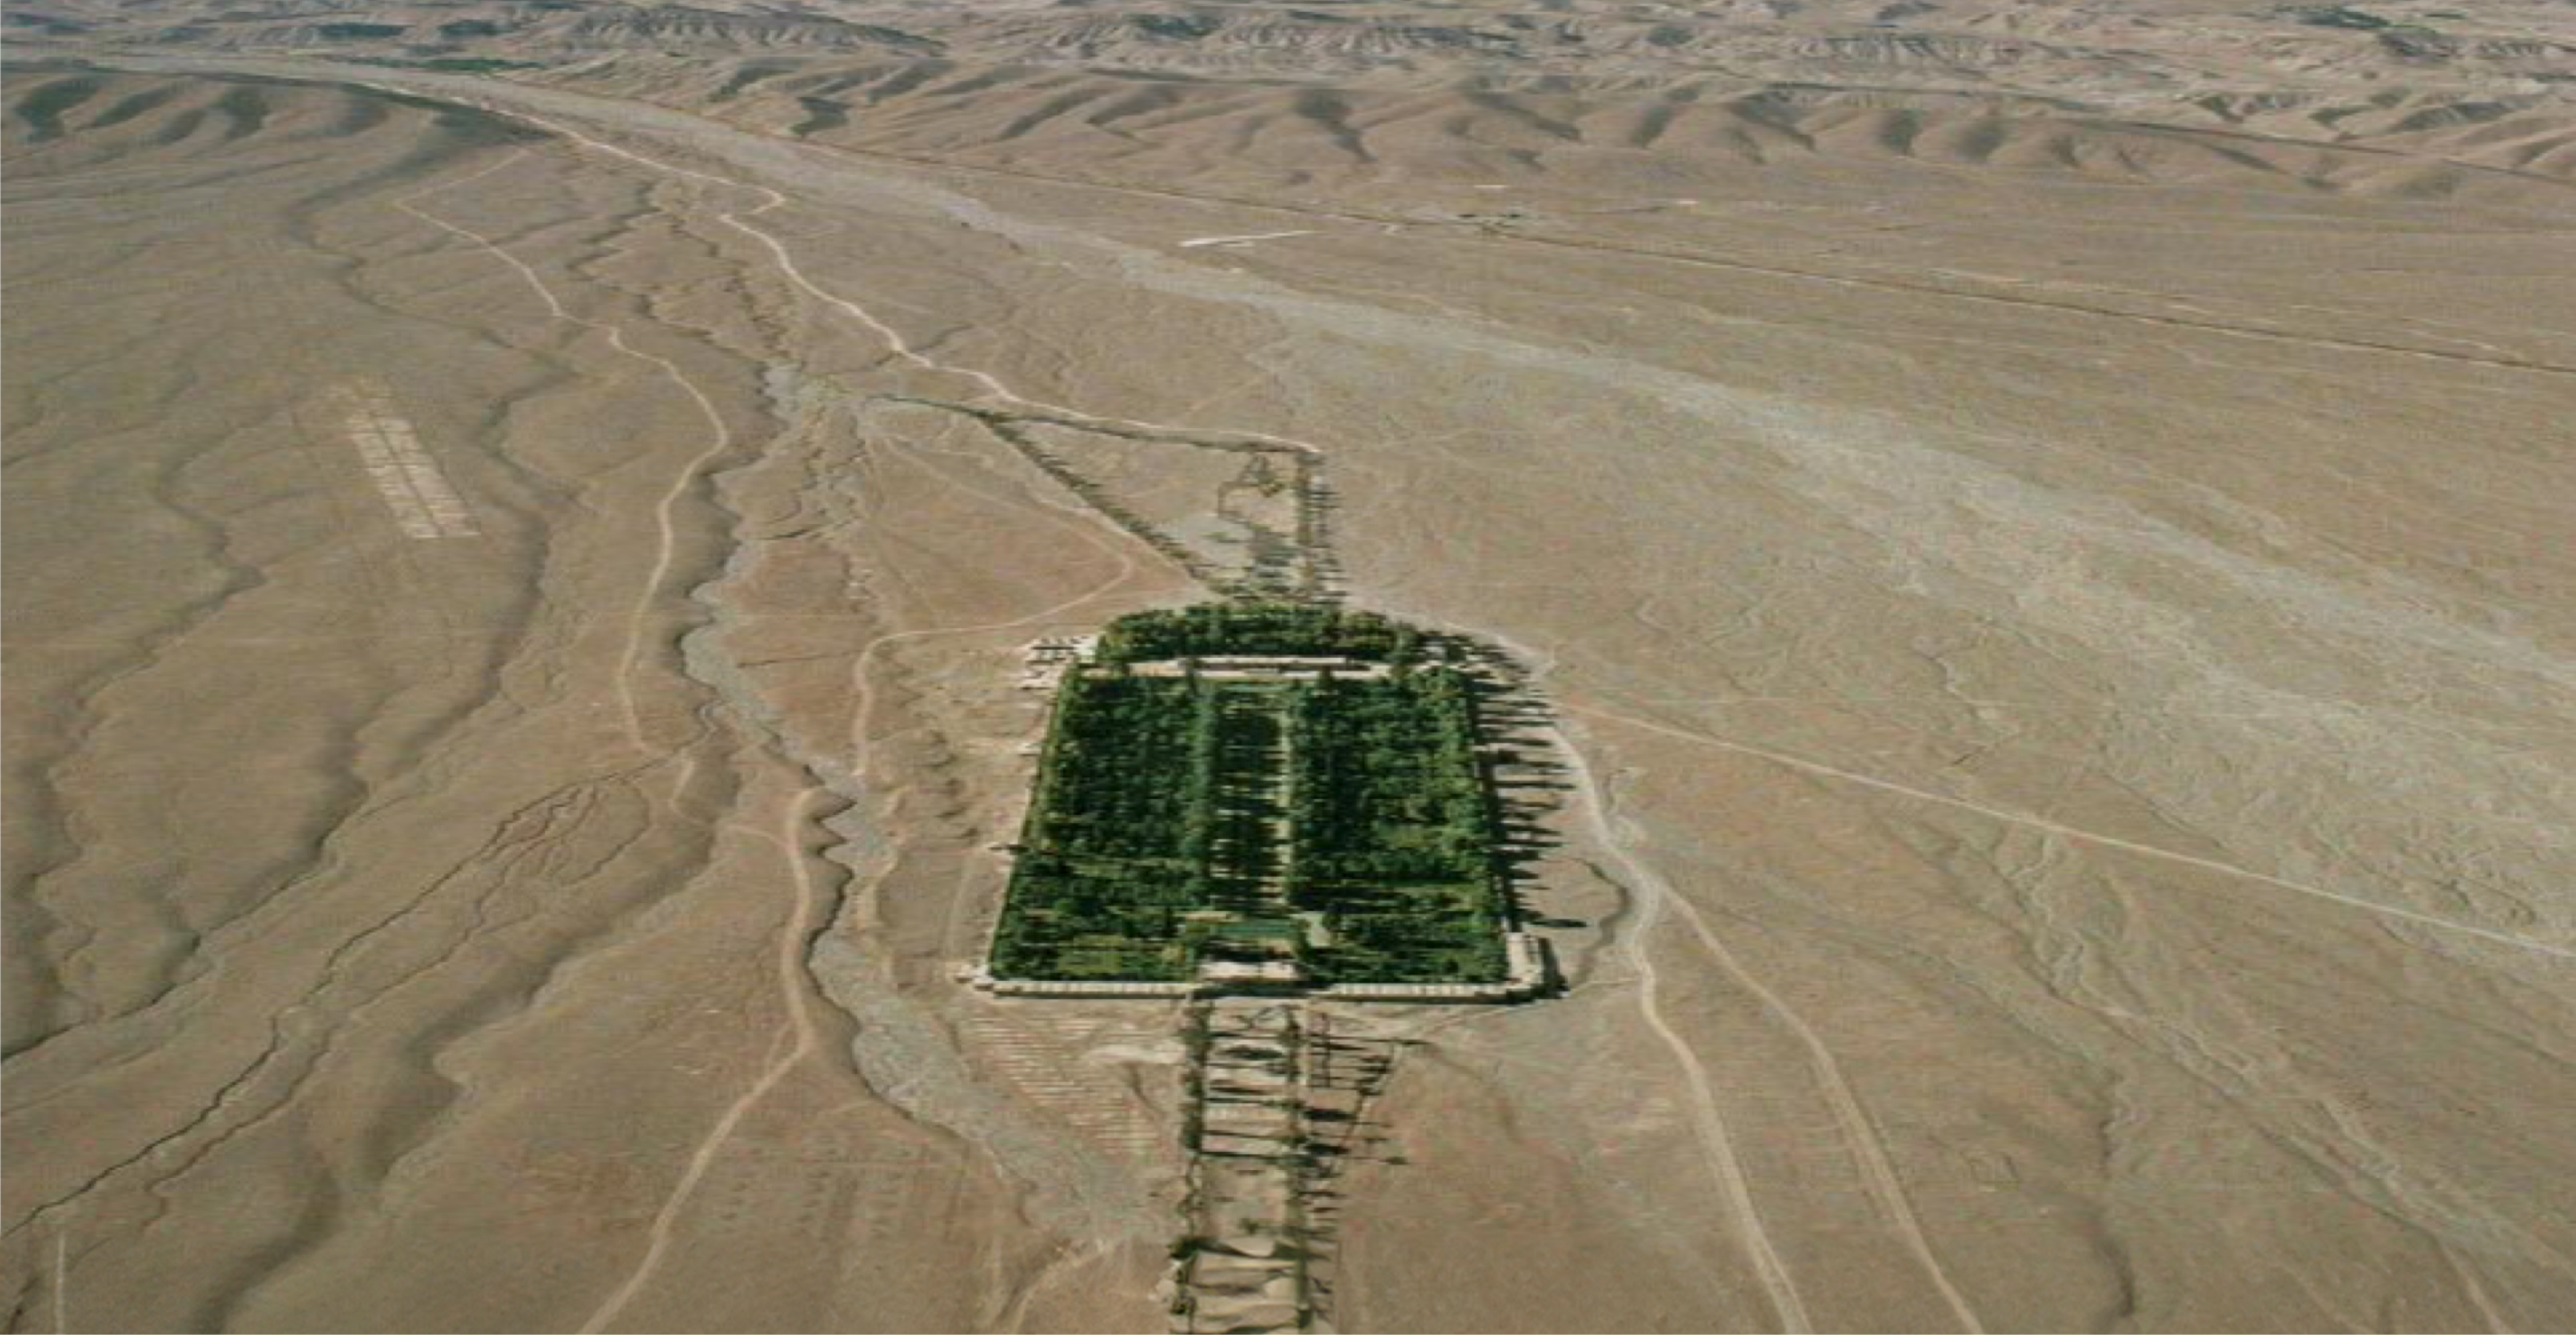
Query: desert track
{"x": 801, "y": 1040}
{"x": 719, "y": 436}
{"x": 2488, "y": 934}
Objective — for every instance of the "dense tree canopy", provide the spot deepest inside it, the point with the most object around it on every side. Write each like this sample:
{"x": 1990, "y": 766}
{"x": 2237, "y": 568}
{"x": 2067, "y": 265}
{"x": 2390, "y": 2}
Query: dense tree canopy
{"x": 1345, "y": 820}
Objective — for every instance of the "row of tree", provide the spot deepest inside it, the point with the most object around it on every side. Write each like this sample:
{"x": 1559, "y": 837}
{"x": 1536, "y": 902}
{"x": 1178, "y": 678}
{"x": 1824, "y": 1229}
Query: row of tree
{"x": 1395, "y": 830}
{"x": 1107, "y": 787}
{"x": 1115, "y": 849}
{"x": 1258, "y": 628}
{"x": 1387, "y": 787}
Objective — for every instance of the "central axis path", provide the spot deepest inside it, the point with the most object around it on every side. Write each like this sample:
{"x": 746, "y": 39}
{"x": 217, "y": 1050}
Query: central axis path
{"x": 1252, "y": 843}
{"x": 1244, "y": 1264}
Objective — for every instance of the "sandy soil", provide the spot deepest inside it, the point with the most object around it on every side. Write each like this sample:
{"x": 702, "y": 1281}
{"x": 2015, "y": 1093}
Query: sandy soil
{"x": 2042, "y": 531}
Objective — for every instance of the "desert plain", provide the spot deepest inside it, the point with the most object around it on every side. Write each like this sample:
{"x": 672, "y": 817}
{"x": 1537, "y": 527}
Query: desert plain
{"x": 2036, "y": 538}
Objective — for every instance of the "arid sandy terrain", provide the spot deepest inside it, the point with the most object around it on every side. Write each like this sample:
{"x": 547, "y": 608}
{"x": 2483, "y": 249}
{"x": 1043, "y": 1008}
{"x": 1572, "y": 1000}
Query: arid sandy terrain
{"x": 2041, "y": 532}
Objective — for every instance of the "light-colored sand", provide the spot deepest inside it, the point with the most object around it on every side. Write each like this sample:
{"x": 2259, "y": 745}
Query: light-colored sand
{"x": 2043, "y": 529}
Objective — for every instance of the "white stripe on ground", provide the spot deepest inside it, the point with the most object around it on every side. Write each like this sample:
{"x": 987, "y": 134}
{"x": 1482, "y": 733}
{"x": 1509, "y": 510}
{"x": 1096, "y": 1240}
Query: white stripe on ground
{"x": 1197, "y": 241}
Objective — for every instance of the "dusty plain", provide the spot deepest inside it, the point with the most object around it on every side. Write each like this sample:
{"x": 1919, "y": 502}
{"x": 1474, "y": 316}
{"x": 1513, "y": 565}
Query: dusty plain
{"x": 2042, "y": 532}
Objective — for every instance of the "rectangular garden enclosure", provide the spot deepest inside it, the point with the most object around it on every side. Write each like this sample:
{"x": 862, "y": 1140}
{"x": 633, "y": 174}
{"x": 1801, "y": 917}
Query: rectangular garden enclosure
{"x": 1281, "y": 790}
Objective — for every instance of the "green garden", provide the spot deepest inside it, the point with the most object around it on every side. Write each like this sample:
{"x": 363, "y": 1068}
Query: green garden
{"x": 1339, "y": 820}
